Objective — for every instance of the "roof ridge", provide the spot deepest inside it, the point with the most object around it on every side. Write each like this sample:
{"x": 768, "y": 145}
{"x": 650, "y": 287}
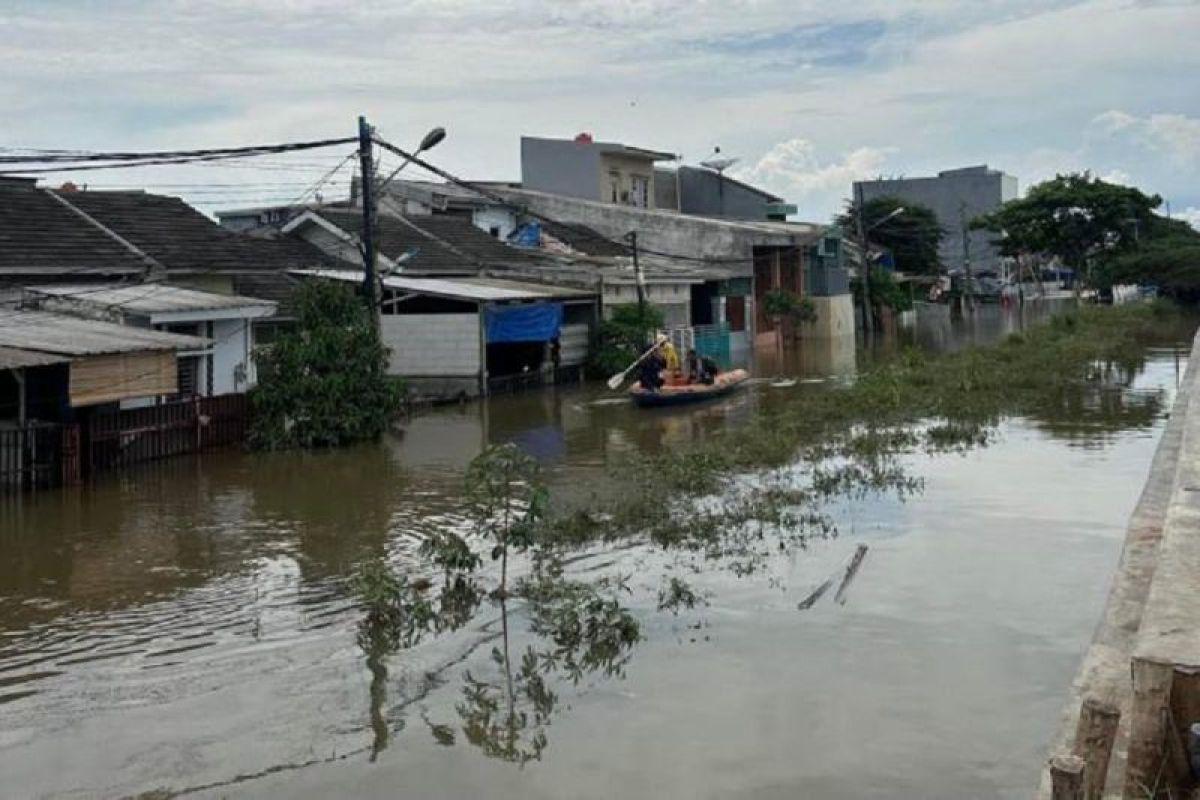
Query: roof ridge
{"x": 154, "y": 266}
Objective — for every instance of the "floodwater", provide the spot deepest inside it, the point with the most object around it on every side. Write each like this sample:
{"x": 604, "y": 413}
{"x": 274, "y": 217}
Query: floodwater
{"x": 187, "y": 627}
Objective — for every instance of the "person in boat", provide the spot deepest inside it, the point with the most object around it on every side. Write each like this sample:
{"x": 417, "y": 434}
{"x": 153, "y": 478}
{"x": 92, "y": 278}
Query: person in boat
{"x": 650, "y": 371}
{"x": 693, "y": 367}
{"x": 708, "y": 370}
{"x": 670, "y": 358}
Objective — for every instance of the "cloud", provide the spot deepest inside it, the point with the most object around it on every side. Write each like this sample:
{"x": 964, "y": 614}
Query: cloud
{"x": 792, "y": 169}
{"x": 1028, "y": 86}
{"x": 1190, "y": 215}
{"x": 1175, "y": 137}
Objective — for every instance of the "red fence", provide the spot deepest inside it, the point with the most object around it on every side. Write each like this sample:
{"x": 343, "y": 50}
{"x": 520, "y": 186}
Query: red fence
{"x": 133, "y": 435}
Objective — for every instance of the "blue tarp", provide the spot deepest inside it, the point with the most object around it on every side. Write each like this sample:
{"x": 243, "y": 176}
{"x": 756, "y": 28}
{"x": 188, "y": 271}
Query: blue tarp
{"x": 528, "y": 235}
{"x": 536, "y": 322}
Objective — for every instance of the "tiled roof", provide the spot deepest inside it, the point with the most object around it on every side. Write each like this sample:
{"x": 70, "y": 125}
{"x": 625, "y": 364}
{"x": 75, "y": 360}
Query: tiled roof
{"x": 39, "y": 236}
{"x": 583, "y": 239}
{"x": 430, "y": 235}
{"x": 185, "y": 240}
{"x": 42, "y": 237}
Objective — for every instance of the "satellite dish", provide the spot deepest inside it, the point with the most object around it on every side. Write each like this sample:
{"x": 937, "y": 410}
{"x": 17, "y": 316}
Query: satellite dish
{"x": 718, "y": 162}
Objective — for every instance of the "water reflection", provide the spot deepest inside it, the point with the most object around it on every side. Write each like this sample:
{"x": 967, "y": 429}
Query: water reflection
{"x": 222, "y": 572}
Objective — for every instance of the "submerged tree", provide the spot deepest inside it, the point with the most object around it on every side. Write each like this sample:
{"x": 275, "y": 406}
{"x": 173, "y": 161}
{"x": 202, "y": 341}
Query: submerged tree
{"x": 505, "y": 501}
{"x": 1077, "y": 217}
{"x": 325, "y": 382}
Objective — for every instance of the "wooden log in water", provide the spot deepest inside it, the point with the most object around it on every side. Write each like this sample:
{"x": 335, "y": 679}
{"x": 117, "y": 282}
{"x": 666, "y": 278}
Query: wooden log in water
{"x": 851, "y": 571}
{"x": 1094, "y": 737}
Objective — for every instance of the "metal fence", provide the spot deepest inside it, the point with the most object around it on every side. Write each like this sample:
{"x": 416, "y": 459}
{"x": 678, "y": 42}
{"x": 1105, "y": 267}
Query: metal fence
{"x": 133, "y": 435}
{"x": 38, "y": 456}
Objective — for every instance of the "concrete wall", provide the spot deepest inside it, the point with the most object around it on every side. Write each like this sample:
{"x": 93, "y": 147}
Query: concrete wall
{"x": 560, "y": 166}
{"x": 432, "y": 345}
{"x": 706, "y": 193}
{"x": 953, "y": 195}
{"x": 835, "y": 318}
{"x": 573, "y": 344}
{"x": 674, "y": 301}
{"x": 668, "y": 231}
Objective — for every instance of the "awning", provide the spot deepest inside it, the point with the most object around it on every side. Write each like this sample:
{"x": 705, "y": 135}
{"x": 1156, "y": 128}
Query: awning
{"x": 535, "y": 322}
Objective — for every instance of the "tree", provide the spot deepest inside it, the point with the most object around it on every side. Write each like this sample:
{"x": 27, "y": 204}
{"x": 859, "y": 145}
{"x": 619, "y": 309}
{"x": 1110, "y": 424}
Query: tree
{"x": 788, "y": 308}
{"x": 1076, "y": 217}
{"x": 1166, "y": 254}
{"x": 620, "y": 339}
{"x": 325, "y": 383}
{"x": 913, "y": 237}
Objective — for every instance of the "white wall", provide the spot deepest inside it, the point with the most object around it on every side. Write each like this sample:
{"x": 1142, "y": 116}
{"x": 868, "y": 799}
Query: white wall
{"x": 231, "y": 367}
{"x": 573, "y": 344}
{"x": 432, "y": 344}
{"x": 487, "y": 218}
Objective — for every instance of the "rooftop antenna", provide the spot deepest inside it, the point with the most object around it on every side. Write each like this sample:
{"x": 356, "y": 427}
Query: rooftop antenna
{"x": 719, "y": 163}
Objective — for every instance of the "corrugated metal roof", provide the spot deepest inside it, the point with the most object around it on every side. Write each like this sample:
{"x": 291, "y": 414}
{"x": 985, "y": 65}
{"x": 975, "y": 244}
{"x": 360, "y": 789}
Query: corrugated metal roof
{"x": 15, "y": 358}
{"x": 152, "y": 298}
{"x": 72, "y": 336}
{"x": 473, "y": 289}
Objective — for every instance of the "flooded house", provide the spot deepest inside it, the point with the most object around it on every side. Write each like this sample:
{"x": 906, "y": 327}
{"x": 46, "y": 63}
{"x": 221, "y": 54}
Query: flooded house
{"x": 130, "y": 322}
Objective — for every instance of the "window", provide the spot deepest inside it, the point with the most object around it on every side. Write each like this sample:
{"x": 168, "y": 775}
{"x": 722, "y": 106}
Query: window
{"x": 494, "y": 231}
{"x": 640, "y": 196}
{"x": 614, "y": 183}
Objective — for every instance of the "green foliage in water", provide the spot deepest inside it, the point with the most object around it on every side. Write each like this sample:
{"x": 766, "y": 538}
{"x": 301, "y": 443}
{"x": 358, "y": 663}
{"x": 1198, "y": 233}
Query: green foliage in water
{"x": 325, "y": 383}
{"x": 784, "y": 305}
{"x": 885, "y": 292}
{"x": 623, "y": 337}
{"x": 506, "y": 501}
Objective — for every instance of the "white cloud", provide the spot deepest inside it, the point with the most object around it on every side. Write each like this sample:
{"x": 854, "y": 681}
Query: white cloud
{"x": 1015, "y": 83}
{"x": 792, "y": 169}
{"x": 1190, "y": 215}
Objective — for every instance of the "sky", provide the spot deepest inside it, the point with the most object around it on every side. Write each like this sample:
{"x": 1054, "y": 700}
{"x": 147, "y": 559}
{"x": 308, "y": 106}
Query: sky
{"x": 808, "y": 95}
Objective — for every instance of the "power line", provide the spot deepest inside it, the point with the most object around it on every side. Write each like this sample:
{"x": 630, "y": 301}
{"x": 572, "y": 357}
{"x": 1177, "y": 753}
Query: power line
{"x": 583, "y": 232}
{"x": 285, "y": 147}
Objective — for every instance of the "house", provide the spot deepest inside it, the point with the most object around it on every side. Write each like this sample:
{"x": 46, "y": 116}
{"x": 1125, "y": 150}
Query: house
{"x": 413, "y": 244}
{"x": 740, "y": 260}
{"x": 70, "y": 236}
{"x": 225, "y": 365}
{"x": 607, "y": 172}
{"x": 468, "y": 336}
{"x": 417, "y": 198}
{"x": 956, "y": 196}
{"x": 708, "y": 193}
{"x": 52, "y": 365}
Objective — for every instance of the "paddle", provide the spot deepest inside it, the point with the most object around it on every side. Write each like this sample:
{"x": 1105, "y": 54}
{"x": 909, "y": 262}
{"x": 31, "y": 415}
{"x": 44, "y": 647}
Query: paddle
{"x": 619, "y": 378}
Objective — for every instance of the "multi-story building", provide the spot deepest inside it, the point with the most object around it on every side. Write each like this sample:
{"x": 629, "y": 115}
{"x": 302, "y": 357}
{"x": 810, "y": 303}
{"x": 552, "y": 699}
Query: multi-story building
{"x": 608, "y": 172}
{"x": 956, "y": 196}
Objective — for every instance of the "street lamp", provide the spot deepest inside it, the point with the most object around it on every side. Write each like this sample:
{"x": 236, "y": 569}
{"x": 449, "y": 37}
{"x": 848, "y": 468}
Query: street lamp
{"x": 428, "y": 142}
{"x": 892, "y": 215}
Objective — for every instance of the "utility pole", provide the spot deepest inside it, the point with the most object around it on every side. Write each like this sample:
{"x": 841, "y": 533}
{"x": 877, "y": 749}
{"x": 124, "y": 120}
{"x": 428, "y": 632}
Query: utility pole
{"x": 367, "y": 168}
{"x": 968, "y": 275}
{"x": 868, "y": 311}
{"x": 637, "y": 274}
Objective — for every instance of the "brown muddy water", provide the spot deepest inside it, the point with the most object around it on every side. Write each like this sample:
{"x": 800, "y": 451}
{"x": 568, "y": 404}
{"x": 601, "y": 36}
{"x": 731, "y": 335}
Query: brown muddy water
{"x": 187, "y": 627}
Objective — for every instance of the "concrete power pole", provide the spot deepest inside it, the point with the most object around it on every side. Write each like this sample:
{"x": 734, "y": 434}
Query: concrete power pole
{"x": 868, "y": 311}
{"x": 370, "y": 287}
{"x": 968, "y": 274}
